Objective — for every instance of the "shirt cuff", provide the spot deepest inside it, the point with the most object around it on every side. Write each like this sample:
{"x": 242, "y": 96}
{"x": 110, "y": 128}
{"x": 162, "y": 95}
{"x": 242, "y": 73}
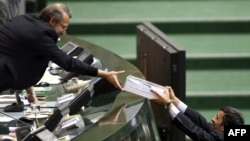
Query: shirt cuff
{"x": 173, "y": 111}
{"x": 182, "y": 106}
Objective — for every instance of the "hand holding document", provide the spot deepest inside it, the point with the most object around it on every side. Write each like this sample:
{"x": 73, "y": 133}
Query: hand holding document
{"x": 142, "y": 87}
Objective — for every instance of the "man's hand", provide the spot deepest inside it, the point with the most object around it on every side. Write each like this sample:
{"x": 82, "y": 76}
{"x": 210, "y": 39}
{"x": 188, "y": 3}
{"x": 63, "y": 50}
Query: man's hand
{"x": 162, "y": 98}
{"x": 111, "y": 76}
{"x": 173, "y": 98}
{"x": 31, "y": 96}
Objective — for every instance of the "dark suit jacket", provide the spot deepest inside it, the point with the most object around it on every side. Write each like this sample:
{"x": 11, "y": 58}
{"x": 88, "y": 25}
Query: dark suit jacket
{"x": 27, "y": 43}
{"x": 196, "y": 126}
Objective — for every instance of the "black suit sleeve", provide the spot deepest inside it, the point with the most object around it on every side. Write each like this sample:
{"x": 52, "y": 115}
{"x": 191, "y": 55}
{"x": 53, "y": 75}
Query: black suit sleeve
{"x": 47, "y": 48}
{"x": 197, "y": 118}
{"x": 194, "y": 131}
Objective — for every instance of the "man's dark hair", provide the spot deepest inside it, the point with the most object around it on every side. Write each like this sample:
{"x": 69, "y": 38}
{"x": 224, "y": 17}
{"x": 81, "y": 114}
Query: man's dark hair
{"x": 232, "y": 116}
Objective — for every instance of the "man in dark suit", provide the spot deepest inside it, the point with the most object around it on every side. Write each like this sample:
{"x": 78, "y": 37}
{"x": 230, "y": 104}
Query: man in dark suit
{"x": 193, "y": 123}
{"x": 28, "y": 43}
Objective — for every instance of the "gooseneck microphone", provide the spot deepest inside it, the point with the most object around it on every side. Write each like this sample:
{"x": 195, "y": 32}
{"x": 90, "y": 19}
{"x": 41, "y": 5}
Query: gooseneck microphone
{"x": 18, "y": 106}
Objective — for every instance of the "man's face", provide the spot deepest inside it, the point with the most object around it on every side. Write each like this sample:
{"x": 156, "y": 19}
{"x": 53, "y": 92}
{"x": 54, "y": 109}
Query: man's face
{"x": 61, "y": 27}
{"x": 217, "y": 121}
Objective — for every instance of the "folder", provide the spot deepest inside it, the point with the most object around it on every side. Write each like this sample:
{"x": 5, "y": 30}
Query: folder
{"x": 142, "y": 87}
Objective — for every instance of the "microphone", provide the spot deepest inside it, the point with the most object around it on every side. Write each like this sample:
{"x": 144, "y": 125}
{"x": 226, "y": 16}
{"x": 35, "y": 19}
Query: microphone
{"x": 15, "y": 107}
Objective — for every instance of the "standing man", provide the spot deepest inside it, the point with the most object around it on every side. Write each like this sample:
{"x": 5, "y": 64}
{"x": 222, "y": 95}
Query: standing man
{"x": 28, "y": 42}
{"x": 193, "y": 123}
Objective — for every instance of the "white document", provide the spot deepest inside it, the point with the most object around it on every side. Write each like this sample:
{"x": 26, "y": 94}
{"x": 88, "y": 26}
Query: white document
{"x": 142, "y": 87}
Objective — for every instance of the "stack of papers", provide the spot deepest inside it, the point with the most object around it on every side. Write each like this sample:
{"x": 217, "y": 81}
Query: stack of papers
{"x": 7, "y": 99}
{"x": 142, "y": 87}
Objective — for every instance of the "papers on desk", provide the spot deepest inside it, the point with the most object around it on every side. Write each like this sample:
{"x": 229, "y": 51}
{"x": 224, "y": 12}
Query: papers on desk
{"x": 42, "y": 111}
{"x": 142, "y": 87}
{"x": 38, "y": 116}
{"x": 7, "y": 99}
{"x": 49, "y": 78}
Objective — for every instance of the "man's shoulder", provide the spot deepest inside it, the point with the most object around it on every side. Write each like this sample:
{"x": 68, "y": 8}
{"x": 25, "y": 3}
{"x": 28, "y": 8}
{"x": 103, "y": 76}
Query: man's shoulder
{"x": 30, "y": 15}
{"x": 218, "y": 135}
